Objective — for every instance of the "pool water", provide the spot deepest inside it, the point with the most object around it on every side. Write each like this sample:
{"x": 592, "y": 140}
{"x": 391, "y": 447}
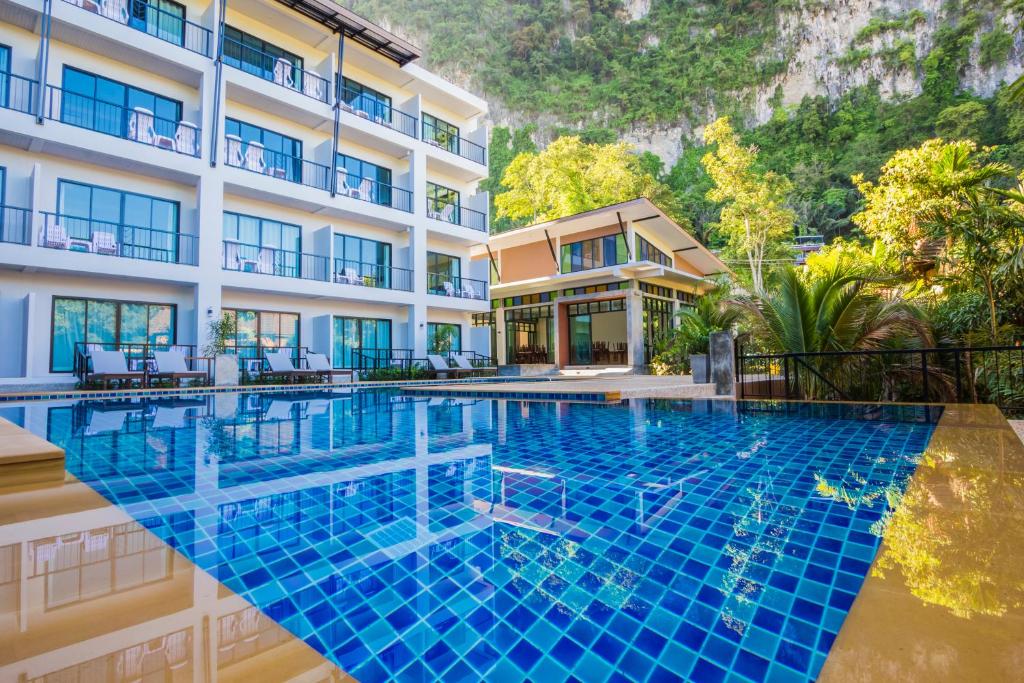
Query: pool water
{"x": 422, "y": 539}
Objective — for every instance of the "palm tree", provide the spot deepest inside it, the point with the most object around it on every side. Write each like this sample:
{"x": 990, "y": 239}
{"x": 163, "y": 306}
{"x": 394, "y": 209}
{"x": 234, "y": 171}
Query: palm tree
{"x": 835, "y": 311}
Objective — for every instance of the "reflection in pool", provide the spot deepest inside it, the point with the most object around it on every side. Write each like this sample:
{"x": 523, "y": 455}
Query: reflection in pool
{"x": 460, "y": 539}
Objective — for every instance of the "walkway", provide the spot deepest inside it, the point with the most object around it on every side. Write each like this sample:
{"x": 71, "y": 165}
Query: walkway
{"x": 613, "y": 388}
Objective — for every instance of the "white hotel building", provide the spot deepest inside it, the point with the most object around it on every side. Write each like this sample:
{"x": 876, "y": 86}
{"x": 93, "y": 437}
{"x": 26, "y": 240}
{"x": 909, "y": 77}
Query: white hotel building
{"x": 284, "y": 161}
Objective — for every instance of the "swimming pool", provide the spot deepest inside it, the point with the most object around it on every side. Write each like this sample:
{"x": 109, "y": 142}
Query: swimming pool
{"x": 456, "y": 539}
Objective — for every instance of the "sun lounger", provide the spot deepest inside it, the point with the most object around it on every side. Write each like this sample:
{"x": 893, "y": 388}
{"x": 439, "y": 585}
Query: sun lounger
{"x": 102, "y": 421}
{"x": 442, "y": 368}
{"x": 463, "y": 363}
{"x": 279, "y": 410}
{"x": 319, "y": 364}
{"x": 109, "y": 366}
{"x": 281, "y": 366}
{"x": 171, "y": 365}
{"x": 170, "y": 418}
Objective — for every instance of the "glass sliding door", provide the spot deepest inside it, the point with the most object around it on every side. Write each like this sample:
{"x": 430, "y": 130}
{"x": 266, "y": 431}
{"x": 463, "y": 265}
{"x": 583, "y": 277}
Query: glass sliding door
{"x": 443, "y": 272}
{"x": 444, "y": 337}
{"x": 111, "y": 323}
{"x": 579, "y": 340}
{"x": 366, "y": 259}
{"x": 362, "y": 342}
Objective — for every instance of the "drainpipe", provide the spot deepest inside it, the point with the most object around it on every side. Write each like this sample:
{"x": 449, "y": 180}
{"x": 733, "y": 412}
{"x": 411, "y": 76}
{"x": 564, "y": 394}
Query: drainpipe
{"x": 337, "y": 112}
{"x": 218, "y": 78}
{"x": 43, "y": 62}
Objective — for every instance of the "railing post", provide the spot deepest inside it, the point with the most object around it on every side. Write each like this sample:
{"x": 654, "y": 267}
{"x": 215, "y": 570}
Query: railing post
{"x": 956, "y": 370}
{"x": 785, "y": 376}
{"x": 924, "y": 376}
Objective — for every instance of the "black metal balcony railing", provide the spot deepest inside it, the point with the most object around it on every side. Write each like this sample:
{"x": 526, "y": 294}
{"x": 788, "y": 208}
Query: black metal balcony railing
{"x": 252, "y": 156}
{"x": 275, "y": 69}
{"x": 138, "y": 356}
{"x": 457, "y": 215}
{"x": 366, "y": 359}
{"x": 362, "y": 274}
{"x": 252, "y": 358}
{"x": 252, "y": 258}
{"x": 466, "y": 149}
{"x": 444, "y": 284}
{"x": 369, "y": 190}
{"x": 15, "y": 225}
{"x": 137, "y": 124}
{"x": 18, "y": 93}
{"x": 372, "y": 109}
{"x": 72, "y": 233}
{"x": 152, "y": 20}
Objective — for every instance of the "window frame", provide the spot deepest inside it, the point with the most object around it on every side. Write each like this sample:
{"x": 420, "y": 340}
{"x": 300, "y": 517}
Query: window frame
{"x": 432, "y": 332}
{"x": 125, "y": 106}
{"x": 360, "y": 320}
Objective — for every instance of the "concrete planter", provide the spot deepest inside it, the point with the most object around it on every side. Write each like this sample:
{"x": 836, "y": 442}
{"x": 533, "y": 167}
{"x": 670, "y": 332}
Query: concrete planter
{"x": 699, "y": 368}
{"x": 225, "y": 370}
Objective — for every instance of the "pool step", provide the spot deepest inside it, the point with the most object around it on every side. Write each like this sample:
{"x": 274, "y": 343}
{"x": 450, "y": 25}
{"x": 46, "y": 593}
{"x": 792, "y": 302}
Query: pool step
{"x": 27, "y": 459}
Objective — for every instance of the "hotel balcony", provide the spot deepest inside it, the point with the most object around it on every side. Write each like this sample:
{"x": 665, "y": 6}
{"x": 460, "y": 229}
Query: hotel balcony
{"x": 278, "y": 70}
{"x": 18, "y": 93}
{"x": 467, "y": 149}
{"x": 362, "y": 274}
{"x": 443, "y": 284}
{"x": 137, "y": 124}
{"x": 252, "y": 156}
{"x": 15, "y": 225}
{"x": 369, "y": 108}
{"x": 458, "y": 215}
{"x": 70, "y": 233}
{"x": 168, "y": 26}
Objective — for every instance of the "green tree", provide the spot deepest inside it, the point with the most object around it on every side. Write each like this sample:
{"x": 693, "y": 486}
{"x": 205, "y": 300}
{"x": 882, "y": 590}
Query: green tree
{"x": 693, "y": 326}
{"x": 755, "y": 218}
{"x": 570, "y": 176}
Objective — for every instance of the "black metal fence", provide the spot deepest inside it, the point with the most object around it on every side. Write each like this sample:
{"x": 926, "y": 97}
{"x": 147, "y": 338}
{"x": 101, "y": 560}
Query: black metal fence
{"x": 990, "y": 374}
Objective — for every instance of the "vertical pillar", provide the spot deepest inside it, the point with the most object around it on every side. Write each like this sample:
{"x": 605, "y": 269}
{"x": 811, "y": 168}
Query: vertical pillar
{"x": 210, "y": 220}
{"x": 556, "y": 333}
{"x": 722, "y": 349}
{"x": 635, "y": 328}
{"x": 500, "y": 343}
{"x": 418, "y": 254}
{"x": 215, "y": 103}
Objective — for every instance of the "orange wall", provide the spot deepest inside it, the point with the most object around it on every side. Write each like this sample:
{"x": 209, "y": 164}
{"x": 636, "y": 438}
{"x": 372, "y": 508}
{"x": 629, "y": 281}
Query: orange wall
{"x": 591, "y": 234}
{"x": 684, "y": 265}
{"x": 527, "y": 262}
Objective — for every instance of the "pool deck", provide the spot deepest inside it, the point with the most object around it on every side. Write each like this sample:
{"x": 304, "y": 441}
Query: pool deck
{"x": 601, "y": 389}
{"x": 944, "y": 600}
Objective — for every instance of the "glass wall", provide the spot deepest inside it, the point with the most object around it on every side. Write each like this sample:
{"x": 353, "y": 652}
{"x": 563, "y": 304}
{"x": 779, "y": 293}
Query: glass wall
{"x": 104, "y": 105}
{"x": 597, "y": 333}
{"x": 354, "y": 336}
{"x": 645, "y": 251}
{"x": 256, "y": 56}
{"x": 268, "y": 329}
{"x": 439, "y": 198}
{"x": 5, "y": 79}
{"x": 363, "y": 98}
{"x": 161, "y": 18}
{"x": 441, "y": 269}
{"x": 444, "y": 337}
{"x": 443, "y": 133}
{"x": 281, "y": 154}
{"x": 599, "y": 252}
{"x": 98, "y": 321}
{"x": 365, "y": 257}
{"x": 356, "y": 171}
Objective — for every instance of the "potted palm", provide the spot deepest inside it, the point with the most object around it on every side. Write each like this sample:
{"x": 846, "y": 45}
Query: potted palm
{"x": 225, "y": 365}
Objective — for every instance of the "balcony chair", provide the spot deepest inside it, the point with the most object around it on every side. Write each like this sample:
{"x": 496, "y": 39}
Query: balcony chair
{"x": 140, "y": 126}
{"x": 105, "y": 243}
{"x": 345, "y": 106}
{"x": 185, "y": 138}
{"x": 254, "y": 157}
{"x": 469, "y": 292}
{"x": 349, "y": 276}
{"x": 265, "y": 262}
{"x": 54, "y": 237}
{"x": 464, "y": 364}
{"x": 343, "y": 187}
{"x": 449, "y": 289}
{"x": 115, "y": 9}
{"x": 364, "y": 190}
{"x": 281, "y": 366}
{"x": 447, "y": 213}
{"x": 442, "y": 368}
{"x": 319, "y": 364}
{"x": 110, "y": 366}
{"x": 283, "y": 73}
{"x": 173, "y": 365}
{"x": 233, "y": 148}
{"x": 312, "y": 87}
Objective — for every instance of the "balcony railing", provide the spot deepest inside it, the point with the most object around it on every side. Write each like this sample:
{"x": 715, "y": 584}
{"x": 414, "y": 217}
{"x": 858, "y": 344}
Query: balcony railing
{"x": 362, "y": 274}
{"x": 252, "y": 156}
{"x": 157, "y": 22}
{"x": 252, "y": 258}
{"x": 369, "y": 190}
{"x": 444, "y": 284}
{"x": 18, "y": 93}
{"x": 370, "y": 108}
{"x": 457, "y": 215}
{"x": 15, "y": 225}
{"x": 252, "y": 358}
{"x": 275, "y": 69}
{"x": 432, "y": 135}
{"x": 72, "y": 233}
{"x": 137, "y": 124}
{"x": 140, "y": 357}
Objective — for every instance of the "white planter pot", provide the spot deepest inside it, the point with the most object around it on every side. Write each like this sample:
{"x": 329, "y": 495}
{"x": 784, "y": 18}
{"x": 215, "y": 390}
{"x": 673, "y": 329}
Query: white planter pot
{"x": 225, "y": 370}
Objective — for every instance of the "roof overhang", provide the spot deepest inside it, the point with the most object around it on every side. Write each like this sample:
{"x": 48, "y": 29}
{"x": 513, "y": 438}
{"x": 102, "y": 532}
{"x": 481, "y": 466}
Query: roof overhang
{"x": 342, "y": 20}
{"x": 647, "y": 271}
{"x": 641, "y": 212}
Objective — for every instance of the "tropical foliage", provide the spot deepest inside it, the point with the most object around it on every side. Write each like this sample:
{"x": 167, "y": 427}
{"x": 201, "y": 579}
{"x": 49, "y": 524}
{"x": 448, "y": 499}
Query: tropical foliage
{"x": 693, "y": 327}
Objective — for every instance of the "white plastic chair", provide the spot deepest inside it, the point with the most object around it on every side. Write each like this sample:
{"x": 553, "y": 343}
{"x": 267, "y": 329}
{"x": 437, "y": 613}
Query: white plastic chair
{"x": 115, "y": 9}
{"x": 140, "y": 126}
{"x": 254, "y": 157}
{"x": 350, "y": 277}
{"x": 105, "y": 243}
{"x": 469, "y": 292}
{"x": 265, "y": 262}
{"x": 54, "y": 237}
{"x": 447, "y": 213}
{"x": 449, "y": 289}
{"x": 283, "y": 73}
{"x": 233, "y": 146}
{"x": 185, "y": 138}
{"x": 312, "y": 86}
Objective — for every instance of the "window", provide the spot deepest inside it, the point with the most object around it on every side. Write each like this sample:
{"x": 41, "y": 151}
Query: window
{"x": 599, "y": 252}
{"x": 161, "y": 18}
{"x": 357, "y": 170}
{"x": 442, "y": 269}
{"x": 368, "y": 258}
{"x": 266, "y": 329}
{"x": 443, "y": 133}
{"x": 96, "y": 321}
{"x": 361, "y": 342}
{"x": 262, "y": 232}
{"x": 143, "y": 227}
{"x": 5, "y": 76}
{"x": 280, "y": 151}
{"x": 438, "y": 198}
{"x": 362, "y": 98}
{"x": 106, "y": 105}
{"x": 444, "y": 337}
{"x": 593, "y": 289}
{"x": 645, "y": 251}
{"x": 258, "y": 57}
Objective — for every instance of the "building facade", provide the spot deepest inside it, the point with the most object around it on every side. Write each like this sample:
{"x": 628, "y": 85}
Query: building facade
{"x": 286, "y": 163}
{"x": 599, "y": 288}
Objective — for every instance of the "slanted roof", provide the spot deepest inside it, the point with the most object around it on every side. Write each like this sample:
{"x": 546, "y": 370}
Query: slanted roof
{"x": 341, "y": 19}
{"x": 642, "y": 212}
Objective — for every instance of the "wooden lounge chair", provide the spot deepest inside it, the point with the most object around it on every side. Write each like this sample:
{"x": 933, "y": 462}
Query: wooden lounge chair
{"x": 172, "y": 365}
{"x": 464, "y": 364}
{"x": 109, "y": 366}
{"x": 442, "y": 368}
{"x": 319, "y": 364}
{"x": 281, "y": 366}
